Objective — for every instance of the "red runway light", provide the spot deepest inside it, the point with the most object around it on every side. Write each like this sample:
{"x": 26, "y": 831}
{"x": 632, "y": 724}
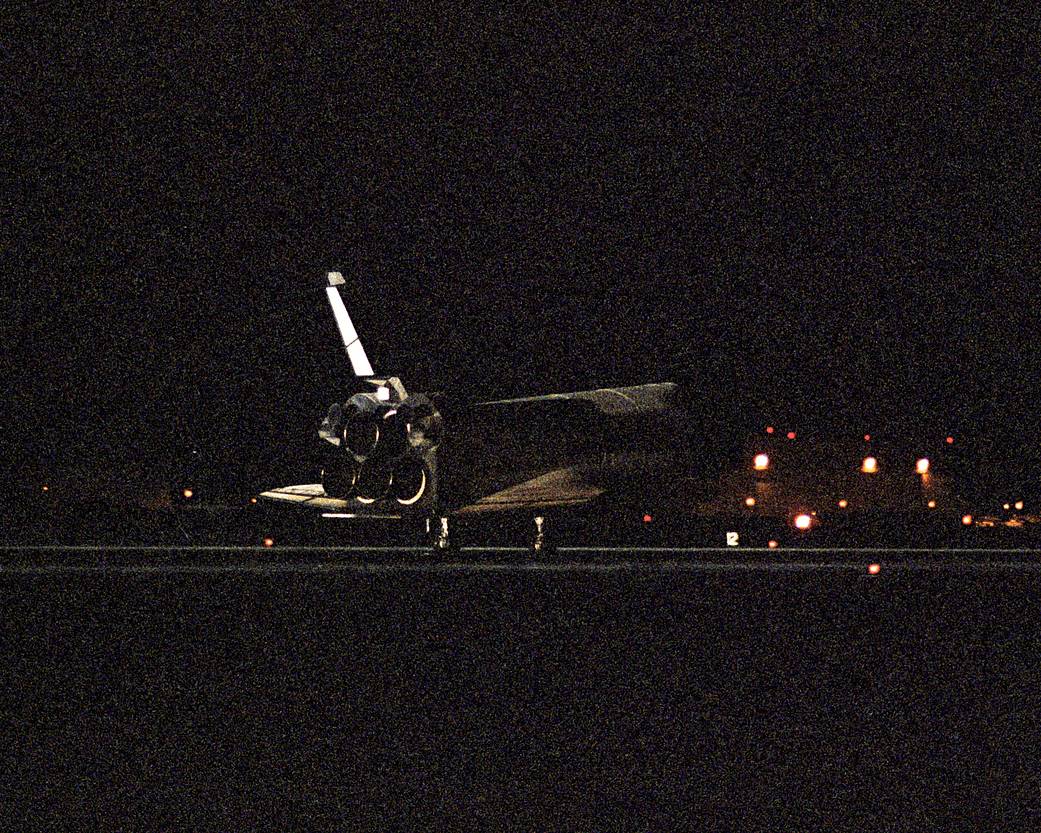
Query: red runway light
{"x": 791, "y": 435}
{"x": 647, "y": 519}
{"x": 950, "y": 440}
{"x": 769, "y": 429}
{"x": 874, "y": 569}
{"x": 867, "y": 438}
{"x": 269, "y": 542}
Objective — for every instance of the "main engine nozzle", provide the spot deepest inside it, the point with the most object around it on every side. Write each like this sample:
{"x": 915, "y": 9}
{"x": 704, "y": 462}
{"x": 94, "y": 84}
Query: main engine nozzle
{"x": 361, "y": 433}
{"x": 382, "y": 449}
{"x": 374, "y": 480}
{"x": 374, "y": 433}
{"x": 393, "y": 434}
{"x": 409, "y": 481}
{"x": 339, "y": 478}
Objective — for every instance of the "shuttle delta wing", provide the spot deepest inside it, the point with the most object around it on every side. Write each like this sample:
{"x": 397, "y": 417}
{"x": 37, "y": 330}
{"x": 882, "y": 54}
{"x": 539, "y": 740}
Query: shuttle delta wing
{"x": 564, "y": 487}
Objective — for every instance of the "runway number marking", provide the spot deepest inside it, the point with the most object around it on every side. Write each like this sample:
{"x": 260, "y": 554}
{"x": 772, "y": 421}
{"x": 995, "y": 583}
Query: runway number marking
{"x": 732, "y": 539}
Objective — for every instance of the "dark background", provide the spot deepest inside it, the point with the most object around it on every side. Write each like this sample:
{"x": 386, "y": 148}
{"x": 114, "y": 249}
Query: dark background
{"x": 826, "y": 218}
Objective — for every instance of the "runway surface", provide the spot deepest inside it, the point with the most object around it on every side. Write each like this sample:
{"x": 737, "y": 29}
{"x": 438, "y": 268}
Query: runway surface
{"x": 311, "y": 559}
{"x": 332, "y": 689}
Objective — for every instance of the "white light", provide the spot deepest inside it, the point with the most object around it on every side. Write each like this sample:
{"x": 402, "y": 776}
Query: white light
{"x": 922, "y": 465}
{"x": 749, "y": 501}
{"x": 803, "y": 521}
{"x": 869, "y": 466}
{"x": 383, "y": 393}
{"x": 761, "y": 462}
{"x": 1019, "y": 505}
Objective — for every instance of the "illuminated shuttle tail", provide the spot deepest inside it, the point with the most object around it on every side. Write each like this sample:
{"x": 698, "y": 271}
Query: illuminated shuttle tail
{"x": 387, "y": 388}
{"x": 351, "y": 340}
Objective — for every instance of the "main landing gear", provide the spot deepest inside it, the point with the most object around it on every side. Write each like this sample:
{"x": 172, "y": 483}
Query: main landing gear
{"x": 440, "y": 540}
{"x": 541, "y": 543}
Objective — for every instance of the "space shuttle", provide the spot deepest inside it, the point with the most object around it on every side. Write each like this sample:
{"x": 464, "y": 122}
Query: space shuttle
{"x": 430, "y": 457}
{"x": 667, "y": 448}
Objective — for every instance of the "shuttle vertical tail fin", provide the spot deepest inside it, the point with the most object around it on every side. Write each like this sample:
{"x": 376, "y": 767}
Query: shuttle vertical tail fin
{"x": 351, "y": 340}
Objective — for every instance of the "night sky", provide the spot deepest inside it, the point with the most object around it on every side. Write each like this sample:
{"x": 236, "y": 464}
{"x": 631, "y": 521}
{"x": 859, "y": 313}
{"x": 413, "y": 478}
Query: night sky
{"x": 824, "y": 219}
